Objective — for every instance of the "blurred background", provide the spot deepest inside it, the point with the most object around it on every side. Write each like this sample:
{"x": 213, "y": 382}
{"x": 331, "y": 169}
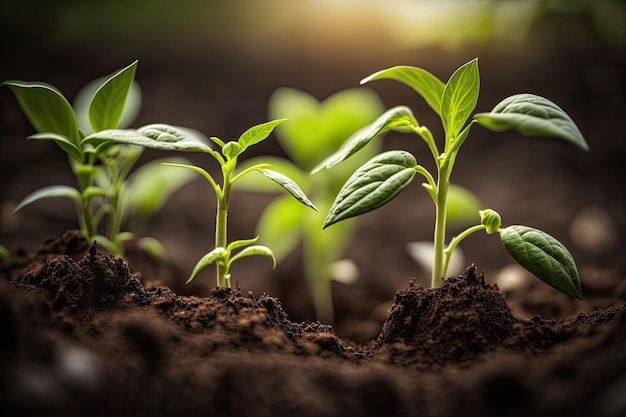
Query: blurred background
{"x": 212, "y": 66}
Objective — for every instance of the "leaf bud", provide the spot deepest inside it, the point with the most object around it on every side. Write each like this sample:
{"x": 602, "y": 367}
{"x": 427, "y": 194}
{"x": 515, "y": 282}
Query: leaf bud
{"x": 491, "y": 220}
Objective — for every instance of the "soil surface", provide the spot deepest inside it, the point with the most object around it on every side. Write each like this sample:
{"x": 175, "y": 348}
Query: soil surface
{"x": 85, "y": 335}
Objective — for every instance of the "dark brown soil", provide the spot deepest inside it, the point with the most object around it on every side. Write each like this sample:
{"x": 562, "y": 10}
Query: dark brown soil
{"x": 82, "y": 335}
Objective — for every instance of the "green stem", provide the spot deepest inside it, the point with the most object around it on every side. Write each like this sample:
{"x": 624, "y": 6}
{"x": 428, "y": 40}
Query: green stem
{"x": 317, "y": 269}
{"x": 221, "y": 226}
{"x": 456, "y": 240}
{"x": 444, "y": 170}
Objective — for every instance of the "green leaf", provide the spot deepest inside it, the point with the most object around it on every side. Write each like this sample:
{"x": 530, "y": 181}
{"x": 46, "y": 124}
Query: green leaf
{"x": 82, "y": 102}
{"x": 280, "y": 225}
{"x": 544, "y": 256}
{"x": 155, "y": 136}
{"x": 423, "y": 82}
{"x": 288, "y": 185}
{"x": 152, "y": 184}
{"x": 459, "y": 98}
{"x": 398, "y": 118}
{"x": 254, "y": 250}
{"x": 216, "y": 255}
{"x": 46, "y": 108}
{"x": 232, "y": 149}
{"x": 532, "y": 115}
{"x": 257, "y": 182}
{"x": 373, "y": 185}
{"x": 63, "y": 141}
{"x": 240, "y": 243}
{"x": 107, "y": 104}
{"x": 48, "y": 192}
{"x": 315, "y": 129}
{"x": 258, "y": 133}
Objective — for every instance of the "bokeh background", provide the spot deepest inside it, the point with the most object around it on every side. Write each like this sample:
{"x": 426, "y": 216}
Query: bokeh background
{"x": 212, "y": 66}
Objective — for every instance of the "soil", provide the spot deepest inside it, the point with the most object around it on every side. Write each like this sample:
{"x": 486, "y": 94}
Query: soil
{"x": 83, "y": 335}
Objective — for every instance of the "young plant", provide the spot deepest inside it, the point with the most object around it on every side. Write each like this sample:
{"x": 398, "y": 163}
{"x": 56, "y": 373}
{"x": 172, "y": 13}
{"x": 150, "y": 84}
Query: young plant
{"x": 313, "y": 131}
{"x": 381, "y": 179}
{"x": 101, "y": 172}
{"x": 168, "y": 138}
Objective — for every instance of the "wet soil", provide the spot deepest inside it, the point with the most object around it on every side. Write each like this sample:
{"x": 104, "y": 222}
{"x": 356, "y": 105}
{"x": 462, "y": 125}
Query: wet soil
{"x": 85, "y": 335}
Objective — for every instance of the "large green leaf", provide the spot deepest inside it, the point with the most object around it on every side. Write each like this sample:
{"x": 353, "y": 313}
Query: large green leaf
{"x": 152, "y": 184}
{"x": 288, "y": 185}
{"x": 315, "y": 129}
{"x": 155, "y": 136}
{"x": 459, "y": 98}
{"x": 422, "y": 81}
{"x": 373, "y": 185}
{"x": 280, "y": 225}
{"x": 49, "y": 192}
{"x": 107, "y": 104}
{"x": 398, "y": 118}
{"x": 544, "y": 256}
{"x": 258, "y": 133}
{"x": 532, "y": 115}
{"x": 46, "y": 108}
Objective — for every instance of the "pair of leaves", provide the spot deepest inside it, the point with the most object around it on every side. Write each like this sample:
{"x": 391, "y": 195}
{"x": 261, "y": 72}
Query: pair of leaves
{"x": 52, "y": 116}
{"x": 223, "y": 255}
{"x": 453, "y": 101}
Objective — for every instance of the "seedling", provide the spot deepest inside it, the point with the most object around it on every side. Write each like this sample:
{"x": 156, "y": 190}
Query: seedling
{"x": 381, "y": 179}
{"x": 169, "y": 138}
{"x": 104, "y": 191}
{"x": 313, "y": 131}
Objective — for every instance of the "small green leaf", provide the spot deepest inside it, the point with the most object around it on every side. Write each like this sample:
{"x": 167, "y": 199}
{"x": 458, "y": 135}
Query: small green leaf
{"x": 491, "y": 220}
{"x": 532, "y": 115}
{"x": 48, "y": 192}
{"x": 63, "y": 141}
{"x": 543, "y": 256}
{"x": 253, "y": 251}
{"x": 288, "y": 185}
{"x": 152, "y": 246}
{"x": 258, "y": 133}
{"x": 107, "y": 104}
{"x": 423, "y": 82}
{"x": 373, "y": 185}
{"x": 398, "y": 118}
{"x": 216, "y": 255}
{"x": 232, "y": 149}
{"x": 156, "y": 136}
{"x": 257, "y": 182}
{"x": 46, "y": 108}
{"x": 459, "y": 98}
{"x": 240, "y": 244}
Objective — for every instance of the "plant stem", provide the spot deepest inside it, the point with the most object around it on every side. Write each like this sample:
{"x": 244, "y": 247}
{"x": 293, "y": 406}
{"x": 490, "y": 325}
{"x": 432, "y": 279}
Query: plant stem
{"x": 455, "y": 241}
{"x": 443, "y": 180}
{"x": 221, "y": 226}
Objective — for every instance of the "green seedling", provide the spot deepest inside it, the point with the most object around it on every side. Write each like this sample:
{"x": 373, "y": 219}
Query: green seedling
{"x": 313, "y": 131}
{"x": 381, "y": 179}
{"x": 169, "y": 138}
{"x": 105, "y": 196}
{"x": 4, "y": 253}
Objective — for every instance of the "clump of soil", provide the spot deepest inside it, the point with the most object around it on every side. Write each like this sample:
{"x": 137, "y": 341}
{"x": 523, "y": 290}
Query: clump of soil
{"x": 85, "y": 336}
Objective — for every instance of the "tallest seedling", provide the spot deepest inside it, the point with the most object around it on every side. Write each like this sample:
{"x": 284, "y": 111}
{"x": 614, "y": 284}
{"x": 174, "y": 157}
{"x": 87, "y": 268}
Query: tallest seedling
{"x": 382, "y": 178}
